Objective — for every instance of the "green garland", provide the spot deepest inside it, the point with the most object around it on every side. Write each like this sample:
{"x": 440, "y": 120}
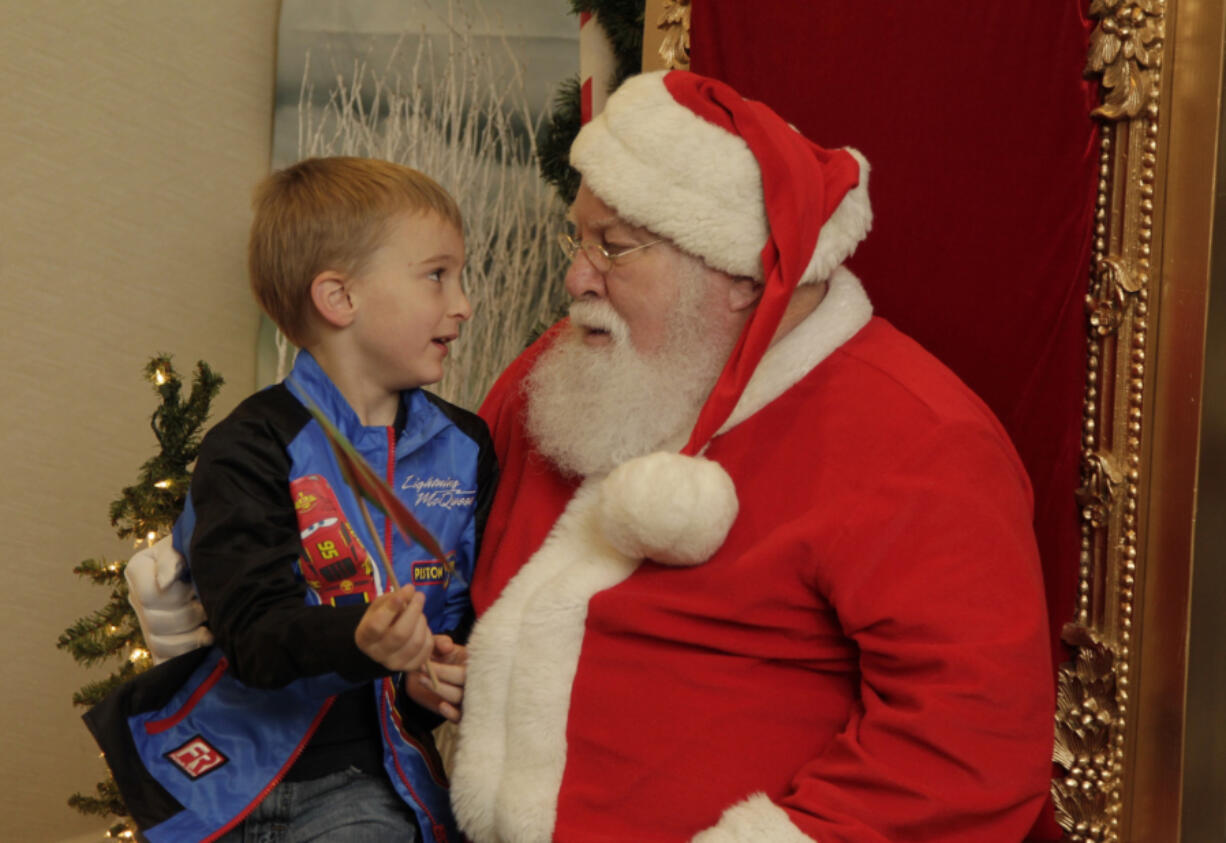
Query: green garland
{"x": 622, "y": 21}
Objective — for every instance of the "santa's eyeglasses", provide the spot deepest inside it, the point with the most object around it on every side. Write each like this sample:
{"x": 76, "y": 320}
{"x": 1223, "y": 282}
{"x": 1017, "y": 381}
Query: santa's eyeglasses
{"x": 602, "y": 259}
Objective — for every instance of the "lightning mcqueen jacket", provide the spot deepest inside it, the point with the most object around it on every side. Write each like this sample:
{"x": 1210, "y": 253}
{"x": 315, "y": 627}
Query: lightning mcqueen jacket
{"x": 285, "y": 564}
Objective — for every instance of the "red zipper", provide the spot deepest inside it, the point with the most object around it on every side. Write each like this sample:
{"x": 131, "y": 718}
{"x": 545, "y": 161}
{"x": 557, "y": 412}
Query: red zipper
{"x": 276, "y": 780}
{"x": 440, "y": 831}
{"x": 156, "y": 727}
{"x": 391, "y": 481}
{"x": 387, "y": 698}
{"x": 436, "y": 771}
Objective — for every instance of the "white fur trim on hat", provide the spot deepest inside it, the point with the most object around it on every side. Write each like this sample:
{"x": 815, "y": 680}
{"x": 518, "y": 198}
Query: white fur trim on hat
{"x": 754, "y": 820}
{"x": 661, "y": 166}
{"x": 666, "y": 507}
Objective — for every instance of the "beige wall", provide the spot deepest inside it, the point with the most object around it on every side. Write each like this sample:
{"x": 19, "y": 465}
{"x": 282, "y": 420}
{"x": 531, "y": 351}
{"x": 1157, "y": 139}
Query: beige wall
{"x": 131, "y": 133}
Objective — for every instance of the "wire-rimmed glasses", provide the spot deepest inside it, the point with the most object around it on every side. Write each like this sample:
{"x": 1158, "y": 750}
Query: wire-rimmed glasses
{"x": 602, "y": 259}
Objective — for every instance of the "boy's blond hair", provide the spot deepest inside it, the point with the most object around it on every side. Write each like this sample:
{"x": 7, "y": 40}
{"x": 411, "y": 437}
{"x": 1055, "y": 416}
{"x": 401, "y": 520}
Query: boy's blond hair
{"x": 328, "y": 213}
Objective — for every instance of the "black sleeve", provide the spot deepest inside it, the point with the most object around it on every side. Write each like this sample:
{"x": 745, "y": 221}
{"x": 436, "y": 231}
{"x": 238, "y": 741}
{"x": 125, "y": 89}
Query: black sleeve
{"x": 487, "y": 482}
{"x": 487, "y": 485}
{"x": 244, "y": 548}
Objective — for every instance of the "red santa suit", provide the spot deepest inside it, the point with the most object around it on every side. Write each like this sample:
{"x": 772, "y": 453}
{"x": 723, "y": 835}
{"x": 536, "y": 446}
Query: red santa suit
{"x": 862, "y": 657}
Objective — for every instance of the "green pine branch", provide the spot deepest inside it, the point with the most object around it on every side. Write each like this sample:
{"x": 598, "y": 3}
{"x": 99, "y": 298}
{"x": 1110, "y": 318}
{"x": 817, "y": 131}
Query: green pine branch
{"x": 92, "y": 693}
{"x": 553, "y": 148}
{"x": 104, "y": 802}
{"x": 108, "y": 631}
{"x": 101, "y": 572}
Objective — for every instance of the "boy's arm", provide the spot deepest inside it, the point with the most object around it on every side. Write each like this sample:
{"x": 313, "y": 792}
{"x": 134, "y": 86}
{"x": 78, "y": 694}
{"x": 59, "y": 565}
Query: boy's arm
{"x": 242, "y": 543}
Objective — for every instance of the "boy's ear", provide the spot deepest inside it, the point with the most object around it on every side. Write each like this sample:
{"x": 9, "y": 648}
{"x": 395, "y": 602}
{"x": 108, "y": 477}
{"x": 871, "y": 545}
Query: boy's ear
{"x": 744, "y": 293}
{"x": 330, "y": 295}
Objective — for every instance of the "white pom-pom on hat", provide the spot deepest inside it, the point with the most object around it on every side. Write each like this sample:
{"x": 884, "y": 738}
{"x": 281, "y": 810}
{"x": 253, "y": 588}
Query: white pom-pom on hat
{"x": 667, "y": 507}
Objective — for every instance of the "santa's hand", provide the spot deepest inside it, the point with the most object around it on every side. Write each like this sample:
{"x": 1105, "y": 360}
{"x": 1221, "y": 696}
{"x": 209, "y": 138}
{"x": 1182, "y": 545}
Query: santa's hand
{"x": 448, "y": 660}
{"x": 170, "y": 615}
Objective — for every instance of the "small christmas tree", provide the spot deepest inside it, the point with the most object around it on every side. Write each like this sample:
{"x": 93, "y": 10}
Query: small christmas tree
{"x": 144, "y": 512}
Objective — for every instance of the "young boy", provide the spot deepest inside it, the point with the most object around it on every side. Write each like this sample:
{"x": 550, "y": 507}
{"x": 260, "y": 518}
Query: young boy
{"x": 297, "y": 717}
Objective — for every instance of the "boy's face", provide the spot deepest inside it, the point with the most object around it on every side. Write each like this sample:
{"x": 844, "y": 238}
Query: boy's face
{"x": 410, "y": 302}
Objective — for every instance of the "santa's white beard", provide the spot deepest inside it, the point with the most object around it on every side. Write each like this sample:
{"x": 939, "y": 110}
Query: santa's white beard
{"x": 590, "y": 409}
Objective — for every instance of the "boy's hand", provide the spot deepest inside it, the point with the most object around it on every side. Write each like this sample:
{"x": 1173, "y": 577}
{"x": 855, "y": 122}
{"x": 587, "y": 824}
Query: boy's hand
{"x": 444, "y": 699}
{"x": 394, "y": 632}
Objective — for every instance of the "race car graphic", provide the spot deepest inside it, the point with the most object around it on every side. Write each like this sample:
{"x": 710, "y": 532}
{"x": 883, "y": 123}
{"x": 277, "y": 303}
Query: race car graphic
{"x": 334, "y": 563}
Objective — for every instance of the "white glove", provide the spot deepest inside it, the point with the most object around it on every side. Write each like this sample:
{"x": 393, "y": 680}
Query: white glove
{"x": 170, "y": 615}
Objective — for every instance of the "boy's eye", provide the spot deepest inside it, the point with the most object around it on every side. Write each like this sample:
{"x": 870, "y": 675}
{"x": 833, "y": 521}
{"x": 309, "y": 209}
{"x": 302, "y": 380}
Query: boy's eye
{"x": 435, "y": 275}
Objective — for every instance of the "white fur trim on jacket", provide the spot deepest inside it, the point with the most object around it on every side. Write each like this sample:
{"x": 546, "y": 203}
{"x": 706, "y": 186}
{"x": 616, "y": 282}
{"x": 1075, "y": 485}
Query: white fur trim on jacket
{"x": 755, "y": 820}
{"x": 661, "y": 166}
{"x": 523, "y": 655}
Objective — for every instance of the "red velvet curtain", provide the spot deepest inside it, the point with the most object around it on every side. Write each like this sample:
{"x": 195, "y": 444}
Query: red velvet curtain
{"x": 976, "y": 120}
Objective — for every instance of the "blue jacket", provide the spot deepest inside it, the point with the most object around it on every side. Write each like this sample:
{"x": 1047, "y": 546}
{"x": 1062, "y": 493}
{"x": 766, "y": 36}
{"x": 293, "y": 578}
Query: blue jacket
{"x": 285, "y": 564}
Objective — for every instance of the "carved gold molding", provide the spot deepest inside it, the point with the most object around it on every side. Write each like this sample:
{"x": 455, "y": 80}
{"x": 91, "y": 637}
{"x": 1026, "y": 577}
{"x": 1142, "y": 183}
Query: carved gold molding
{"x": 1093, "y": 705}
{"x": 1126, "y": 49}
{"x": 674, "y": 21}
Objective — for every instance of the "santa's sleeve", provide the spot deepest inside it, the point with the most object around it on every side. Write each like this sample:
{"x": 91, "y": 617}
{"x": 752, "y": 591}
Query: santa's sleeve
{"x": 937, "y": 580}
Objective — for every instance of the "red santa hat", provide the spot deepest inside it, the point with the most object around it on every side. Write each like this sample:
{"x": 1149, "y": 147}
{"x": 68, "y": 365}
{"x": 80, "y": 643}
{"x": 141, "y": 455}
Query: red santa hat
{"x": 730, "y": 181}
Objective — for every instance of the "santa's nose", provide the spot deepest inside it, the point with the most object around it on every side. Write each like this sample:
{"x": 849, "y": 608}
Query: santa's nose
{"x": 583, "y": 280}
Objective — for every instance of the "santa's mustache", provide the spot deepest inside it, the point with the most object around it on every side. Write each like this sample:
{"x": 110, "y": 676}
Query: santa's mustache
{"x": 598, "y": 315}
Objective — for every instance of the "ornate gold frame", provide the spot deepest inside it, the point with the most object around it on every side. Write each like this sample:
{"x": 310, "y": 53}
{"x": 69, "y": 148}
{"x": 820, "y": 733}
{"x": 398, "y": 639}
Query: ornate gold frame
{"x": 1120, "y": 711}
{"x": 1121, "y": 699}
{"x": 666, "y": 35}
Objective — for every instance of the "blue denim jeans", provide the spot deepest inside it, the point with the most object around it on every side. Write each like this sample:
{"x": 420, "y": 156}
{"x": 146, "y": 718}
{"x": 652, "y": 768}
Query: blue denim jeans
{"x": 350, "y": 806}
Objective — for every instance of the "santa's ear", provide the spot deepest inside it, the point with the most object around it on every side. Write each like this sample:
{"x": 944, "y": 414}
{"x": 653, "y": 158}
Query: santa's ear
{"x": 744, "y": 293}
{"x": 330, "y": 295}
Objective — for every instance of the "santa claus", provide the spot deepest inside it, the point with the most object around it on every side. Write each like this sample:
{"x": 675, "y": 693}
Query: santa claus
{"x": 761, "y": 569}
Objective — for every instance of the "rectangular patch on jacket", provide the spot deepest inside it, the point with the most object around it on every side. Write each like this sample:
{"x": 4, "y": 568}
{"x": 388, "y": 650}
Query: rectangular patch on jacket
{"x": 196, "y": 758}
{"x": 431, "y": 572}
